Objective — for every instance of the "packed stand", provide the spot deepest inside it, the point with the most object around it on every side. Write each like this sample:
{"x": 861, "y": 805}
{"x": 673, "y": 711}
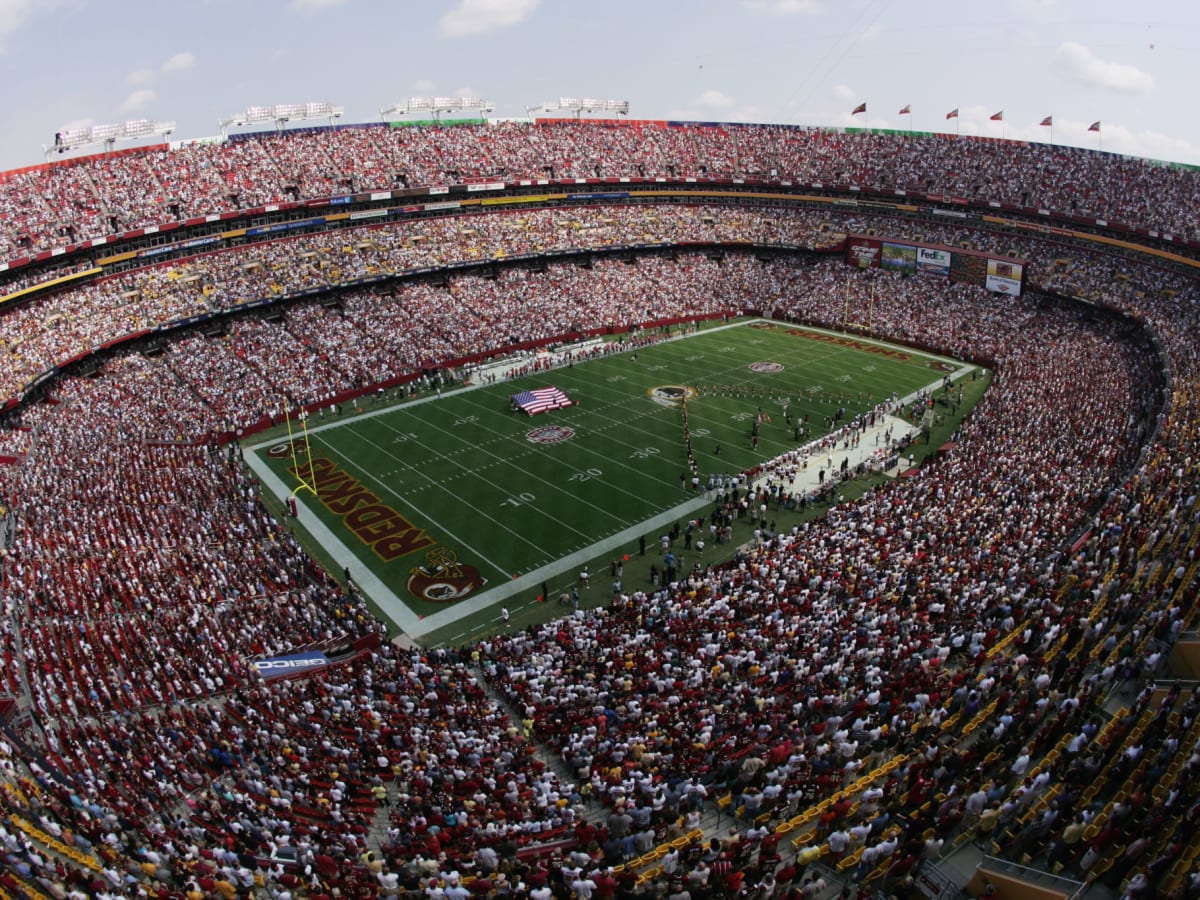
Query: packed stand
{"x": 782, "y": 670}
{"x": 71, "y": 201}
{"x": 48, "y": 330}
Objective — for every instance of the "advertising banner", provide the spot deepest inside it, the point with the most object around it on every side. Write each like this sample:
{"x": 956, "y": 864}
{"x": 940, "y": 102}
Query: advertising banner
{"x": 863, "y": 252}
{"x": 1004, "y": 277}
{"x": 295, "y": 664}
{"x": 936, "y": 262}
{"x": 899, "y": 257}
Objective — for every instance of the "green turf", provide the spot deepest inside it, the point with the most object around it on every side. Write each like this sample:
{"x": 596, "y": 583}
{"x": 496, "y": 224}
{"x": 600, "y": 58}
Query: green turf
{"x": 461, "y": 470}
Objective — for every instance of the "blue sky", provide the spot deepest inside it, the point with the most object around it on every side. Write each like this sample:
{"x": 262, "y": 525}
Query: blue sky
{"x": 1132, "y": 66}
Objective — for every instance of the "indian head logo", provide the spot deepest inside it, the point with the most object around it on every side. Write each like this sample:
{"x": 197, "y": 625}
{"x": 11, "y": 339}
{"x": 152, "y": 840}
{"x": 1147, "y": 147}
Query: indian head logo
{"x": 672, "y": 394}
{"x": 443, "y": 578}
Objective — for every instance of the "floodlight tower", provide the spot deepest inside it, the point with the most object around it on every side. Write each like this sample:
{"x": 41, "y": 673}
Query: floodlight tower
{"x": 281, "y": 114}
{"x": 589, "y": 105}
{"x": 437, "y": 106}
{"x": 405, "y": 107}
{"x": 106, "y": 135}
{"x": 544, "y": 106}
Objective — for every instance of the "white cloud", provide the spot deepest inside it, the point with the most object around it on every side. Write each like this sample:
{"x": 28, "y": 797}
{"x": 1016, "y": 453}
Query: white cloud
{"x": 714, "y": 100}
{"x": 871, "y": 32}
{"x": 180, "y": 62}
{"x": 423, "y": 86}
{"x": 139, "y": 77}
{"x": 1117, "y": 138}
{"x": 13, "y": 14}
{"x": 746, "y": 113}
{"x": 311, "y": 6}
{"x": 1083, "y": 65}
{"x": 785, "y": 7}
{"x": 75, "y": 124}
{"x": 138, "y": 100}
{"x": 472, "y": 17}
{"x": 753, "y": 113}
{"x": 843, "y": 93}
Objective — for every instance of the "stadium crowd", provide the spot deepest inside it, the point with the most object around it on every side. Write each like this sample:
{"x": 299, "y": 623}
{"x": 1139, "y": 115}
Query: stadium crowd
{"x": 50, "y": 329}
{"x": 75, "y": 200}
{"x": 930, "y": 657}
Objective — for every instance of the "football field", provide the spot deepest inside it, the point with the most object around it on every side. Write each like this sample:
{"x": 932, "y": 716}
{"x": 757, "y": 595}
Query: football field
{"x": 445, "y": 505}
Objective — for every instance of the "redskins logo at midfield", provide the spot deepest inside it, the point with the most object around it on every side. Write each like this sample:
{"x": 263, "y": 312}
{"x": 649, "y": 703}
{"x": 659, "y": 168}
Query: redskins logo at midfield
{"x": 443, "y": 578}
{"x": 766, "y": 367}
{"x": 671, "y": 394}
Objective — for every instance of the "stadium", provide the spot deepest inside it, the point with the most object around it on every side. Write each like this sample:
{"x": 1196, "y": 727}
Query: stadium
{"x": 990, "y": 659}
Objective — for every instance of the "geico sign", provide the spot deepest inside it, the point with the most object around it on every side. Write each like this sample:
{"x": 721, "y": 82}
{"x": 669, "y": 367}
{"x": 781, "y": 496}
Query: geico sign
{"x": 289, "y": 663}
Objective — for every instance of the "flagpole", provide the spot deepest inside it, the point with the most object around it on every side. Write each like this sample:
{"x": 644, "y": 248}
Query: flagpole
{"x": 953, "y": 114}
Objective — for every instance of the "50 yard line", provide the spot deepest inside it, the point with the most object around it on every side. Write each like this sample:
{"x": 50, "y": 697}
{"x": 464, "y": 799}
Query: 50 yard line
{"x": 467, "y": 469}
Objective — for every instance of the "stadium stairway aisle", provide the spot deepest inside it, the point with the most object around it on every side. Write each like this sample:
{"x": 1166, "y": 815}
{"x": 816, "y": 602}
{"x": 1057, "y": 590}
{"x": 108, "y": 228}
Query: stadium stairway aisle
{"x": 716, "y": 822}
{"x": 591, "y": 810}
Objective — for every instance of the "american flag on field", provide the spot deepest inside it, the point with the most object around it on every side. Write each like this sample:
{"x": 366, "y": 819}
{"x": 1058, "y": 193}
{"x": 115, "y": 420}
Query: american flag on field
{"x": 540, "y": 400}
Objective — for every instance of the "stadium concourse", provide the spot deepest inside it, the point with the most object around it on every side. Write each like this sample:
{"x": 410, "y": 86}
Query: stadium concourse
{"x": 975, "y": 655}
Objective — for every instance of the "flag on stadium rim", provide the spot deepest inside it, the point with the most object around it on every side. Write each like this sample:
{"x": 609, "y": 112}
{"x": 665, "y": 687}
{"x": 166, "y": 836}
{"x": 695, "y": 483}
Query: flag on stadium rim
{"x": 540, "y": 400}
{"x": 1095, "y": 126}
{"x": 997, "y": 117}
{"x": 907, "y": 111}
{"x": 861, "y": 108}
{"x": 953, "y": 114}
{"x": 1049, "y": 120}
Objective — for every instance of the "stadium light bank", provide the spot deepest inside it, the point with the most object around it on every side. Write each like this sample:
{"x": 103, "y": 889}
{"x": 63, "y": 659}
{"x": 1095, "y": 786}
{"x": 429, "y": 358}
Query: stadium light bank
{"x": 281, "y": 114}
{"x": 581, "y": 105}
{"x": 106, "y": 135}
{"x": 435, "y": 106}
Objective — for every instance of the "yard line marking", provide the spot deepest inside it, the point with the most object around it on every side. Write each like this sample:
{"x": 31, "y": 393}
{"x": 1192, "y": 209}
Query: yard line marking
{"x": 423, "y": 513}
{"x": 500, "y": 461}
{"x": 532, "y": 580}
{"x": 545, "y": 452}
